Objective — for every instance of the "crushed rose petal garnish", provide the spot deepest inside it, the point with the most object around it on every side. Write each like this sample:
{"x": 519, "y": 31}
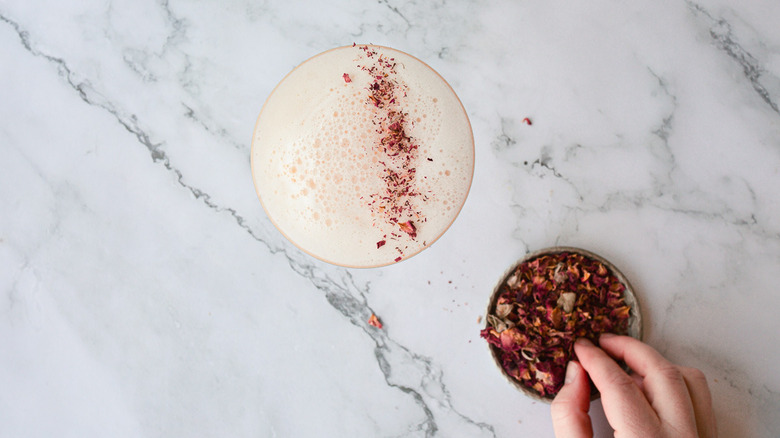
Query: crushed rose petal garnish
{"x": 546, "y": 304}
{"x": 373, "y": 320}
{"x": 398, "y": 151}
{"x": 346, "y": 77}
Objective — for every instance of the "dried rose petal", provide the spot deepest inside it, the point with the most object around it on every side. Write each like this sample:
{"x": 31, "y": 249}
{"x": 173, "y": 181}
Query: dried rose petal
{"x": 499, "y": 324}
{"x": 347, "y": 79}
{"x": 512, "y": 339}
{"x": 547, "y": 303}
{"x": 503, "y": 309}
{"x": 373, "y": 320}
{"x": 566, "y": 301}
{"x": 380, "y": 244}
{"x": 408, "y": 228}
{"x": 512, "y": 281}
{"x": 559, "y": 275}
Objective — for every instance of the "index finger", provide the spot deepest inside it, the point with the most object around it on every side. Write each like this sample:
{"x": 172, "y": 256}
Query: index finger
{"x": 640, "y": 357}
{"x": 664, "y": 384}
{"x": 624, "y": 403}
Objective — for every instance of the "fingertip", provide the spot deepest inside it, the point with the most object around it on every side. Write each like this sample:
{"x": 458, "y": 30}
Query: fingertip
{"x": 584, "y": 341}
{"x": 583, "y": 347}
{"x": 612, "y": 338}
{"x": 572, "y": 370}
{"x": 576, "y": 387}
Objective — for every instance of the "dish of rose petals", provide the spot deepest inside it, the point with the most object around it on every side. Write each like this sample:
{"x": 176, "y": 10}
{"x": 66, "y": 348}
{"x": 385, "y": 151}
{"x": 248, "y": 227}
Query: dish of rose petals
{"x": 544, "y": 303}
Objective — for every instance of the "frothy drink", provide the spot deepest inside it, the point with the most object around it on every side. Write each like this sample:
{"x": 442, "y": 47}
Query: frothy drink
{"x": 362, "y": 156}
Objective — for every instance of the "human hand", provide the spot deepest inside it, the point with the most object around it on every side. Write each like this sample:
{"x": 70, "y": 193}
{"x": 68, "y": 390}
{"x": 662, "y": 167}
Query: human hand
{"x": 659, "y": 399}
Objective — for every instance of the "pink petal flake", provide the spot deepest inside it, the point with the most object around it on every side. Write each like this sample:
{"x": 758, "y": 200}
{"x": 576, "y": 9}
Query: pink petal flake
{"x": 373, "y": 320}
{"x": 408, "y": 228}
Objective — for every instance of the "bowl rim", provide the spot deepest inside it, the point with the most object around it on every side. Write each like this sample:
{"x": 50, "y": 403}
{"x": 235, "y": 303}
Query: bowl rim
{"x": 635, "y": 326}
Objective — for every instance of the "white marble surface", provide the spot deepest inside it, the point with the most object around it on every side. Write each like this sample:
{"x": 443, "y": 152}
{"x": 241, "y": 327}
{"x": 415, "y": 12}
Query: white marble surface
{"x": 143, "y": 291}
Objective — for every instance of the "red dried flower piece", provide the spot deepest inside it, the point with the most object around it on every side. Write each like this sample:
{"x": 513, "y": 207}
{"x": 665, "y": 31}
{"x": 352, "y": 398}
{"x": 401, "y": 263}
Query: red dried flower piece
{"x": 380, "y": 244}
{"x": 527, "y": 121}
{"x": 347, "y": 79}
{"x": 373, "y": 320}
{"x": 408, "y": 228}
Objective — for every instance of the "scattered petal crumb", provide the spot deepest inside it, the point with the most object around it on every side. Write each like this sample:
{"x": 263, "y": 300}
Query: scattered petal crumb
{"x": 373, "y": 320}
{"x": 526, "y": 120}
{"x": 347, "y": 79}
{"x": 479, "y": 319}
{"x": 408, "y": 228}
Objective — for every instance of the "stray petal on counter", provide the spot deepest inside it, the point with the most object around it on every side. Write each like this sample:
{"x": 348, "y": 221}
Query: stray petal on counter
{"x": 373, "y": 320}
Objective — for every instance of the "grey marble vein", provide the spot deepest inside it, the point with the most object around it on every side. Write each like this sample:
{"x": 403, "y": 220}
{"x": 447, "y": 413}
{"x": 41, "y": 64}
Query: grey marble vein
{"x": 722, "y": 35}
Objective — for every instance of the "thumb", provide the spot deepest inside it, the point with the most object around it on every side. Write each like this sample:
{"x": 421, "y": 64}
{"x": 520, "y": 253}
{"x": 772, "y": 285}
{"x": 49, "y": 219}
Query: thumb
{"x": 569, "y": 410}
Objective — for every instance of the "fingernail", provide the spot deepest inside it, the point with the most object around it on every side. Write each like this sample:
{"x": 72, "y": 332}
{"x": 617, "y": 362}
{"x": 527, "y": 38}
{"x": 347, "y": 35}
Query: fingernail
{"x": 572, "y": 369}
{"x": 585, "y": 342}
{"x": 607, "y": 335}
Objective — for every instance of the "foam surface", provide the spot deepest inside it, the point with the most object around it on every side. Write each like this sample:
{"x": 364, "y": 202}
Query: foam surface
{"x": 320, "y": 171}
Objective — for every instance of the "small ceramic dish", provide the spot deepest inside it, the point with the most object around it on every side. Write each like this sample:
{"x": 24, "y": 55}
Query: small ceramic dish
{"x": 633, "y": 326}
